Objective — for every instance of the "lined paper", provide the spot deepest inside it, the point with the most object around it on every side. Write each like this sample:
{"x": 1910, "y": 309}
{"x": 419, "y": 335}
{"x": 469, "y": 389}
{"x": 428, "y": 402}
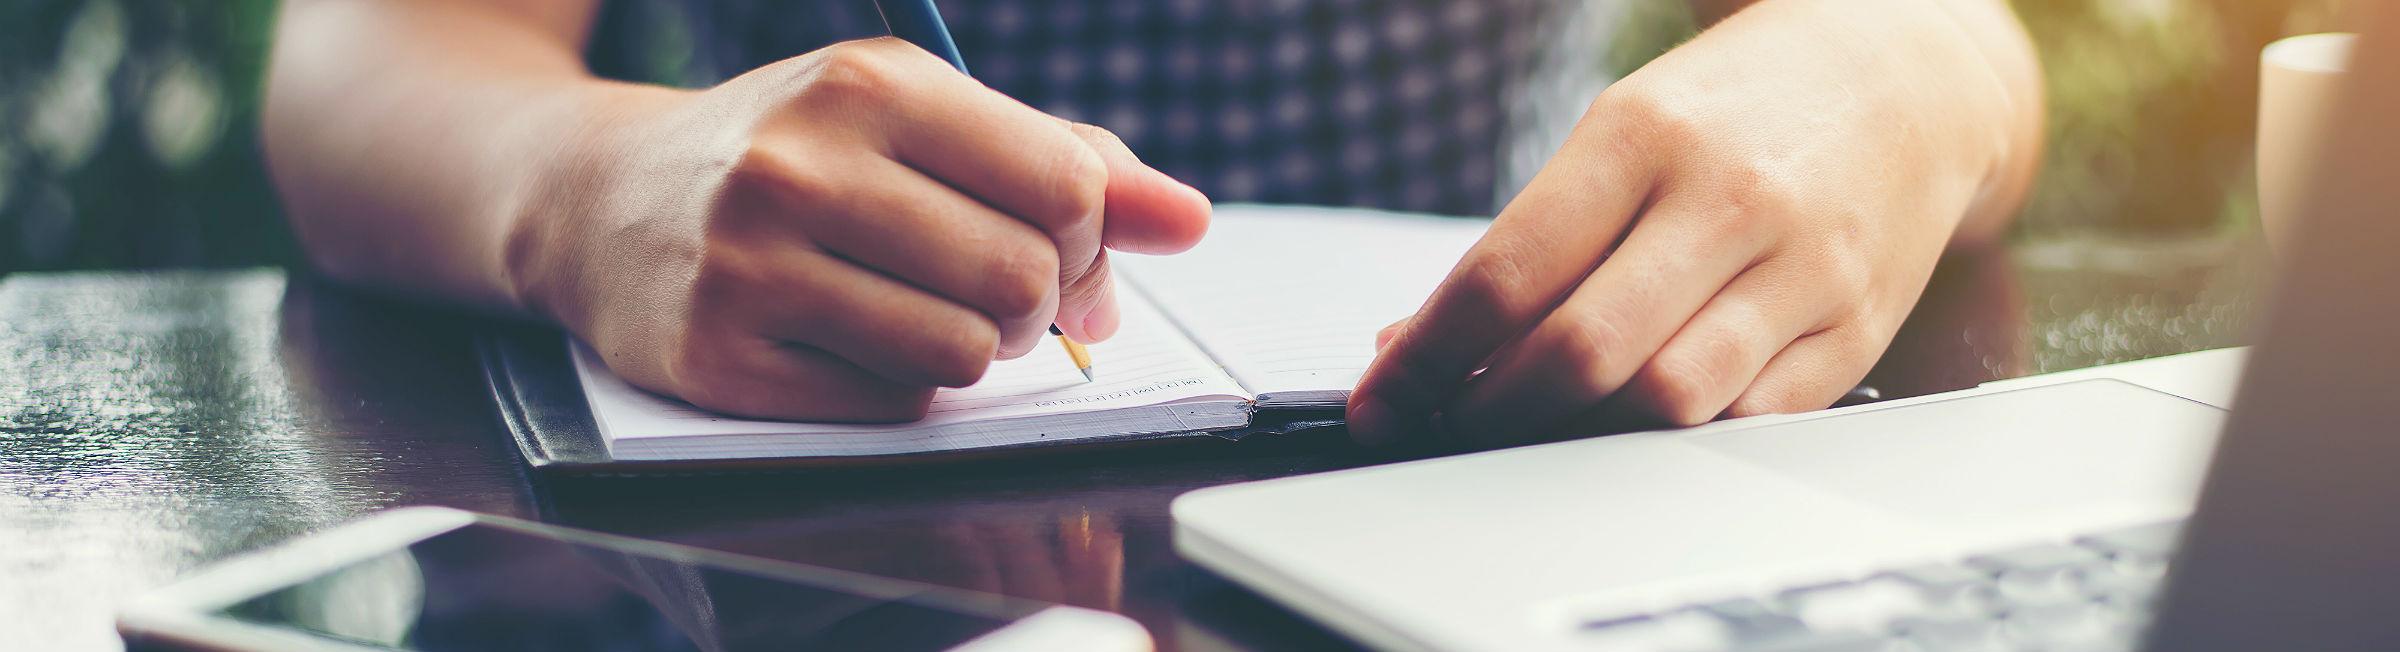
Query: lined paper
{"x": 1277, "y": 304}
{"x": 1288, "y": 299}
{"x": 1034, "y": 398}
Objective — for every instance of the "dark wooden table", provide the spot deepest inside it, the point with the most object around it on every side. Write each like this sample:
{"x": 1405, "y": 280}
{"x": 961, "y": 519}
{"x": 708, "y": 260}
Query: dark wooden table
{"x": 152, "y": 422}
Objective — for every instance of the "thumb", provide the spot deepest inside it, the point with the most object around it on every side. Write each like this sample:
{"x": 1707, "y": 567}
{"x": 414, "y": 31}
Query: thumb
{"x": 1148, "y": 212}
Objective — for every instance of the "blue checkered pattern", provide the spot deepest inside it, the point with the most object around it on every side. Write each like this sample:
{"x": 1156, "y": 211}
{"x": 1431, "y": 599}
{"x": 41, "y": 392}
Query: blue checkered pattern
{"x": 1397, "y": 104}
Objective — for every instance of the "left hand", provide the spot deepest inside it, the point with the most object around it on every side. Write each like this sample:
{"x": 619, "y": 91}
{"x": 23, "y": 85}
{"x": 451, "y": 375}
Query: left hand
{"x": 1737, "y": 228}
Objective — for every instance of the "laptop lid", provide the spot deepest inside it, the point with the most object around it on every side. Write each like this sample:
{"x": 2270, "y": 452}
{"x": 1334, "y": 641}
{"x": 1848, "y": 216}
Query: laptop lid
{"x": 2296, "y": 541}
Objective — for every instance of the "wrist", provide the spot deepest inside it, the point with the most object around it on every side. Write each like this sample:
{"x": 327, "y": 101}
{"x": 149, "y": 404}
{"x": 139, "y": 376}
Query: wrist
{"x": 575, "y": 189}
{"x": 2007, "y": 52}
{"x": 1974, "y": 71}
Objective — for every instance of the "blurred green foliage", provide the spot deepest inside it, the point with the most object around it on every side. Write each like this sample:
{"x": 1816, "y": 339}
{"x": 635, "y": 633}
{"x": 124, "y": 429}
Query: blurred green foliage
{"x": 2152, "y": 104}
{"x": 127, "y": 135}
{"x": 128, "y": 127}
{"x": 2153, "y": 108}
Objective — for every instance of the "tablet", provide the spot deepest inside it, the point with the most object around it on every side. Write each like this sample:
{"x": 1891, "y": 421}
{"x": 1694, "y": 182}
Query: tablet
{"x": 436, "y": 579}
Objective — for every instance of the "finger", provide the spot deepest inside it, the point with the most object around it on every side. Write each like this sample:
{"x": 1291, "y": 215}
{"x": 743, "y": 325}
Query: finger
{"x": 1542, "y": 244}
{"x": 1017, "y": 159}
{"x": 1147, "y": 211}
{"x": 1812, "y": 373}
{"x": 1705, "y": 366}
{"x": 1088, "y": 304}
{"x": 1026, "y": 164}
{"x": 1384, "y": 337}
{"x": 900, "y": 223}
{"x": 887, "y": 327}
{"x": 1681, "y": 254}
{"x": 1020, "y": 161}
{"x": 753, "y": 376}
{"x": 1023, "y": 162}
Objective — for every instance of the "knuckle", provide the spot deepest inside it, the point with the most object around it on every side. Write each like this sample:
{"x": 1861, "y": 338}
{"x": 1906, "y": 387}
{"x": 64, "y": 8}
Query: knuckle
{"x": 1591, "y": 346}
{"x": 959, "y": 356}
{"x": 1077, "y": 187}
{"x": 721, "y": 282}
{"x": 856, "y": 69}
{"x": 1084, "y": 291}
{"x": 1019, "y": 284}
{"x": 1087, "y": 283}
{"x": 1735, "y": 224}
{"x": 784, "y": 174}
{"x": 898, "y": 51}
{"x": 1849, "y": 275}
{"x": 1849, "y": 242}
{"x": 1862, "y": 339}
{"x": 1093, "y": 133}
{"x": 1744, "y": 177}
{"x": 1757, "y": 403}
{"x": 700, "y": 374}
{"x": 1653, "y": 115}
{"x": 1494, "y": 279}
{"x": 1680, "y": 387}
{"x": 1097, "y": 135}
{"x": 1014, "y": 350}
{"x": 1409, "y": 380}
{"x": 1757, "y": 194}
{"x": 1776, "y": 398}
{"x": 1092, "y": 159}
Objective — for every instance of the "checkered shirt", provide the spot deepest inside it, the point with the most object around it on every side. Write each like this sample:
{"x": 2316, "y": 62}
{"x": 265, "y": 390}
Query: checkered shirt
{"x": 1439, "y": 106}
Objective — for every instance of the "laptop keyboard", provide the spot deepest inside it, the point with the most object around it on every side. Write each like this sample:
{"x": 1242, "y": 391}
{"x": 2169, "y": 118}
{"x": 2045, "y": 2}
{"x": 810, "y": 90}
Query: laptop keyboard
{"x": 2093, "y": 595}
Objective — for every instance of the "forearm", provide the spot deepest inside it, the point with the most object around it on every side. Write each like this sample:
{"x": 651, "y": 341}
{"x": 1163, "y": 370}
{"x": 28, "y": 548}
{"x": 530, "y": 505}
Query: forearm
{"x": 406, "y": 137}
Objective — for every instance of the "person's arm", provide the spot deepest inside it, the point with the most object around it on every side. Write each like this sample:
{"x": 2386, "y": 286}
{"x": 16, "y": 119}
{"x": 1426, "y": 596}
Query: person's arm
{"x": 2008, "y": 53}
{"x": 1737, "y": 228}
{"x": 829, "y": 237}
{"x": 1992, "y": 27}
{"x": 405, "y": 137}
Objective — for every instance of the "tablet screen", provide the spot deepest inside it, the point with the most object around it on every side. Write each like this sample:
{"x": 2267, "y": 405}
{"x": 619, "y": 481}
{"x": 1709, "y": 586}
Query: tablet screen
{"x": 489, "y": 588}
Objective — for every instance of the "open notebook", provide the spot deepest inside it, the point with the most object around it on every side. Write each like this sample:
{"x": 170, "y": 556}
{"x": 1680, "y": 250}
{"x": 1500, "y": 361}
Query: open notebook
{"x": 1274, "y": 314}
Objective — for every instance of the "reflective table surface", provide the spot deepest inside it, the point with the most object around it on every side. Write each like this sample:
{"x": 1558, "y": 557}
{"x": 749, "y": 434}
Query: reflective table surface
{"x": 153, "y": 421}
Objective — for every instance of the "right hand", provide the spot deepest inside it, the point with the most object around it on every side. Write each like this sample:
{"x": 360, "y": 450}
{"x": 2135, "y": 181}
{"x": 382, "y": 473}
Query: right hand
{"x": 833, "y": 236}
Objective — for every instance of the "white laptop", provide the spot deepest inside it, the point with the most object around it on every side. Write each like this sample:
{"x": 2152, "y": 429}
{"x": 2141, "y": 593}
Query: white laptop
{"x": 2013, "y": 517}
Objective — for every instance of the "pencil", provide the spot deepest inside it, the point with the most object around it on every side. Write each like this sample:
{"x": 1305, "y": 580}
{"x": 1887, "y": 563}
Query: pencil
{"x": 919, "y": 22}
{"x": 1076, "y": 352}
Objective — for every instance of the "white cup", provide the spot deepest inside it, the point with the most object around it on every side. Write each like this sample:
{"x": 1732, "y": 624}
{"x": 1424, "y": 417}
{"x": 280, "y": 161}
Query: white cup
{"x": 2297, "y": 80}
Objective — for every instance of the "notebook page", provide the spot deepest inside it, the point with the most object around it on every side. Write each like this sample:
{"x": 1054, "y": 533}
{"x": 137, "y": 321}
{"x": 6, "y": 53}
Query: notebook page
{"x": 1289, "y": 299}
{"x": 1148, "y": 363}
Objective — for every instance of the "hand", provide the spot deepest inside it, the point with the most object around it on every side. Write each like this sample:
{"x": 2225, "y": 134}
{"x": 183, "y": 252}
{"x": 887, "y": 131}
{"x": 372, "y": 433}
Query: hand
{"x": 1736, "y": 229}
{"x": 833, "y": 236}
